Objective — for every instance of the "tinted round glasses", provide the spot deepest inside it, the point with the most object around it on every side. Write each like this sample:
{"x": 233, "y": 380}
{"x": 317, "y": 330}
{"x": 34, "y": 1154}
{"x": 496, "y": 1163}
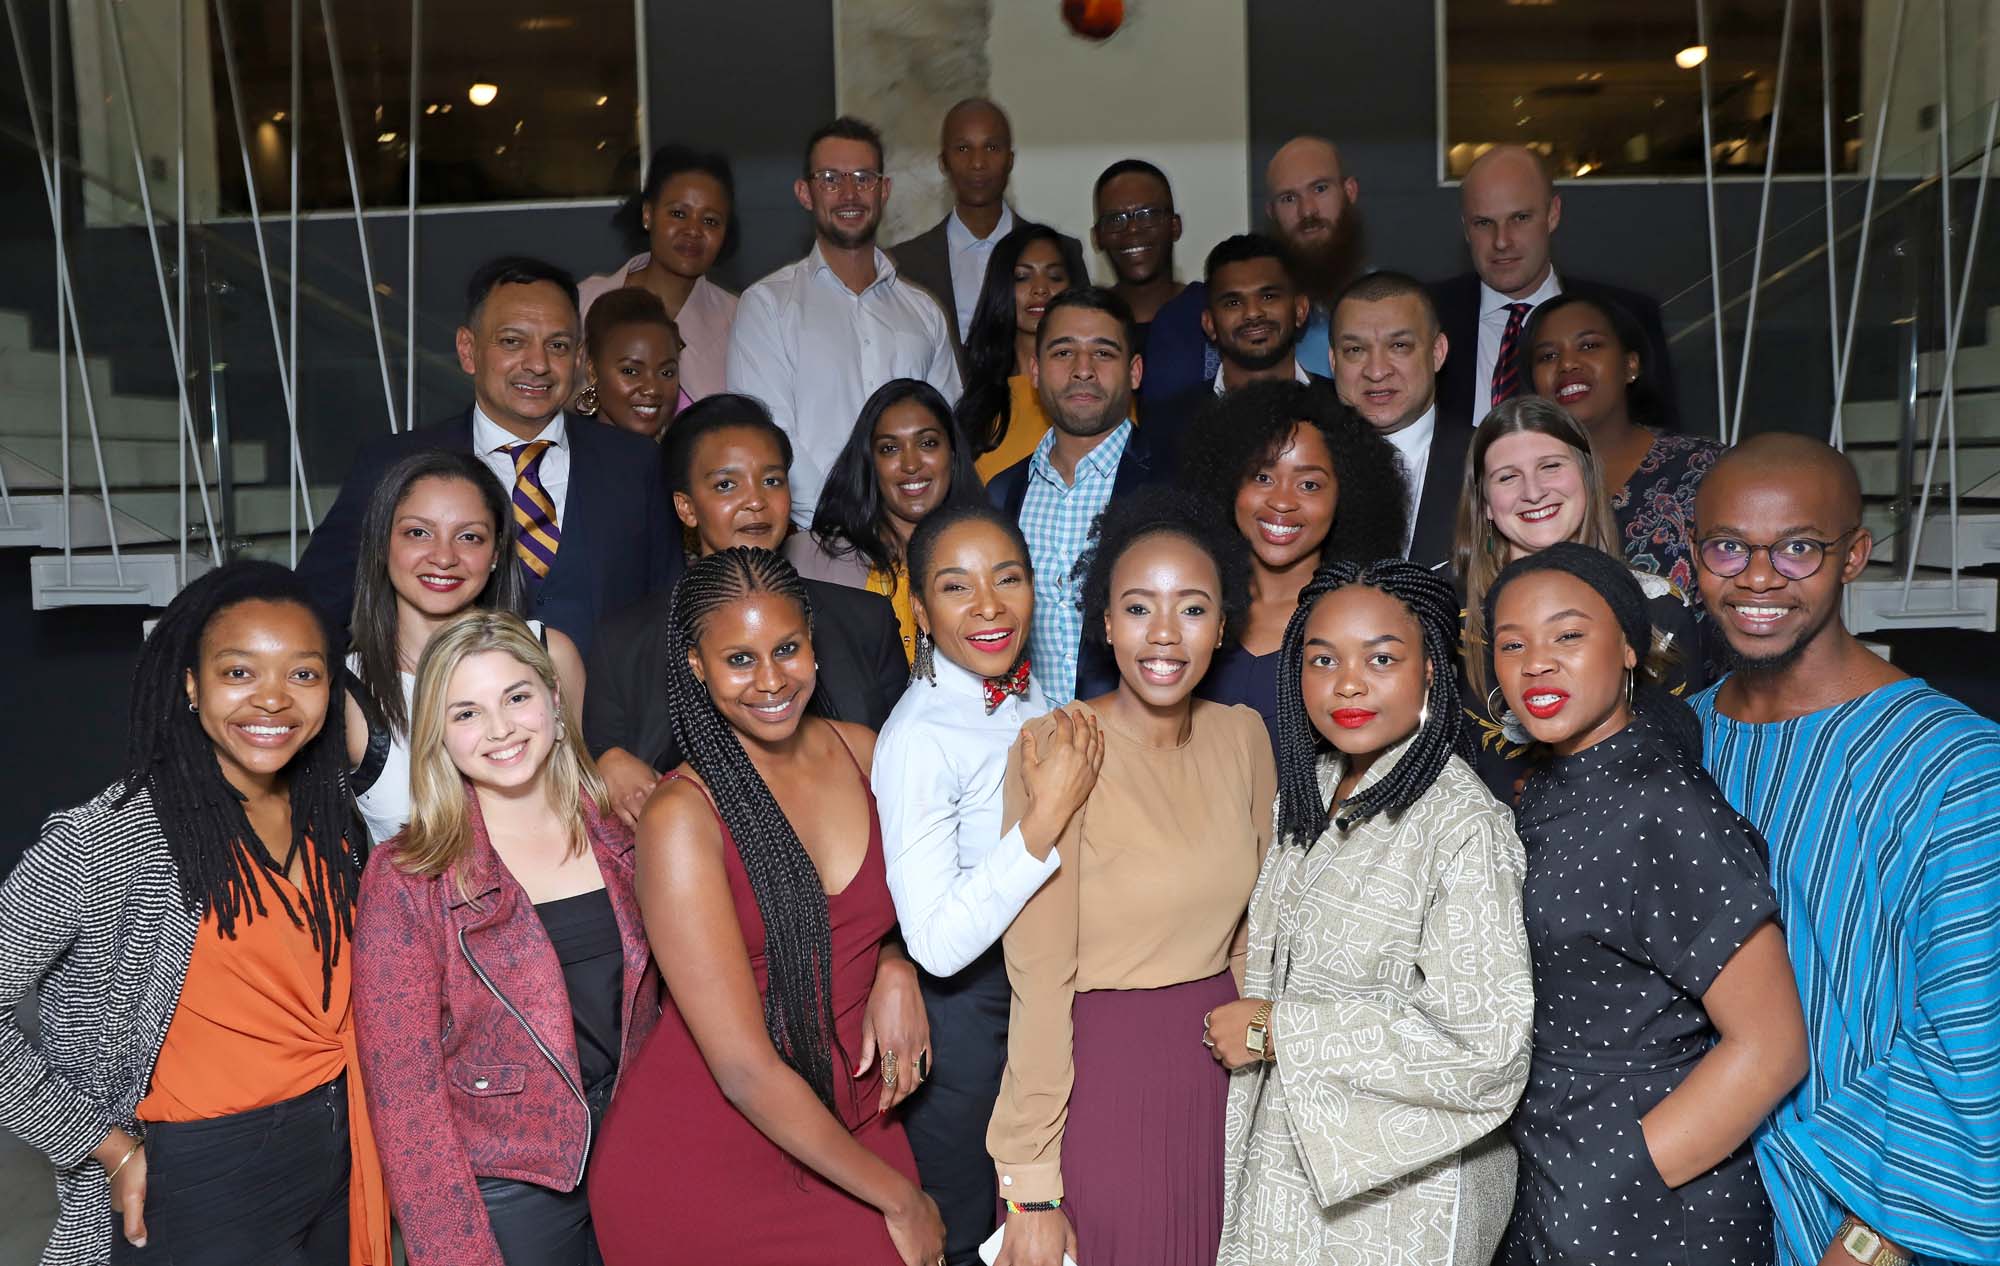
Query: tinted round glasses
{"x": 1794, "y": 558}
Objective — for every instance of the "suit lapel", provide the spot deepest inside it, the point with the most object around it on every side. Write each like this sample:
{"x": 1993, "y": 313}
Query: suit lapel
{"x": 579, "y": 523}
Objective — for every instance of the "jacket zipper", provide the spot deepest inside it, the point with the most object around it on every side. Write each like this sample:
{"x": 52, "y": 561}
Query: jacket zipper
{"x": 540, "y": 1045}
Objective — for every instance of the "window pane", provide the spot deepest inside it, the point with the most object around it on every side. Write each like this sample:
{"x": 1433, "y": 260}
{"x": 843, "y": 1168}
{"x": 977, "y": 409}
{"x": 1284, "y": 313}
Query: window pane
{"x": 1596, "y": 85}
{"x": 518, "y": 102}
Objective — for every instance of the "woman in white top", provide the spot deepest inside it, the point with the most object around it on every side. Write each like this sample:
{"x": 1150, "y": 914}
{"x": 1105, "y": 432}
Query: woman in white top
{"x": 957, "y": 872}
{"x": 437, "y": 539}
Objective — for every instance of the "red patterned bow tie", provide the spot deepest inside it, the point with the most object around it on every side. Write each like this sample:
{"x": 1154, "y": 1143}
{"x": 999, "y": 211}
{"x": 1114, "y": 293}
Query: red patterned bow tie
{"x": 998, "y": 688}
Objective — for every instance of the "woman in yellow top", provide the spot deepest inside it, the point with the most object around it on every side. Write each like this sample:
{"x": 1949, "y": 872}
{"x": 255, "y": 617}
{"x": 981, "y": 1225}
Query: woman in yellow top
{"x": 904, "y": 459}
{"x": 998, "y": 412}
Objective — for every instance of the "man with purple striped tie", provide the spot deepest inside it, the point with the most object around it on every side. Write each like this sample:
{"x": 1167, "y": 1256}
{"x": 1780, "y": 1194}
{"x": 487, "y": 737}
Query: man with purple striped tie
{"x": 1509, "y": 209}
{"x": 594, "y": 533}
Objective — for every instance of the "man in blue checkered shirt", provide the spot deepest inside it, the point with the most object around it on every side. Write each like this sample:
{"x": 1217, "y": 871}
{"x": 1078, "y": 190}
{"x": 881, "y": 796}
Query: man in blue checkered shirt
{"x": 1085, "y": 374}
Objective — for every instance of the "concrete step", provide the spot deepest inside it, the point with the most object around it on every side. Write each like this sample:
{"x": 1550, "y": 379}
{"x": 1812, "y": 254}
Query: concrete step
{"x": 34, "y": 462}
{"x": 1875, "y": 601}
{"x": 1978, "y": 540}
{"x": 1978, "y": 366}
{"x": 140, "y": 578}
{"x": 36, "y": 409}
{"x": 1877, "y": 467}
{"x": 149, "y": 516}
{"x": 1869, "y": 421}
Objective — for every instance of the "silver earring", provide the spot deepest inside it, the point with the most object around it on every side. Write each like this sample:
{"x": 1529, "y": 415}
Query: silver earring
{"x": 1423, "y": 716}
{"x": 191, "y": 707}
{"x": 1632, "y": 690}
{"x": 924, "y": 663}
{"x": 1493, "y": 710}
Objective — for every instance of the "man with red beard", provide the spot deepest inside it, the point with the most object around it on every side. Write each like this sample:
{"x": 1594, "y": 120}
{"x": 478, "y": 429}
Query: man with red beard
{"x": 1310, "y": 198}
{"x": 814, "y": 340}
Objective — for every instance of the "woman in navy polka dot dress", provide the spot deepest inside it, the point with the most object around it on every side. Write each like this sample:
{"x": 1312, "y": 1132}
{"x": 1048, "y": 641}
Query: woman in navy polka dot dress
{"x": 1667, "y": 1023}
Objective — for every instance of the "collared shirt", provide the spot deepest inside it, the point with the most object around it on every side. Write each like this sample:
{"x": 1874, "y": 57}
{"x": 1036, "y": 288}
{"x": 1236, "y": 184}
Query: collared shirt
{"x": 1492, "y": 328}
{"x": 1315, "y": 349}
{"x": 491, "y": 442}
{"x": 1299, "y": 374}
{"x": 969, "y": 256}
{"x": 1413, "y": 446}
{"x": 814, "y": 351}
{"x": 957, "y": 878}
{"x": 1056, "y": 517}
{"x": 703, "y": 322}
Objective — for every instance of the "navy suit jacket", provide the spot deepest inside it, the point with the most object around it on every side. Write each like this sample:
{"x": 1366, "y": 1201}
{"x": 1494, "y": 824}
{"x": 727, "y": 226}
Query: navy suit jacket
{"x": 620, "y": 541}
{"x": 1457, "y": 303}
{"x": 1096, "y": 671}
{"x": 1168, "y": 422}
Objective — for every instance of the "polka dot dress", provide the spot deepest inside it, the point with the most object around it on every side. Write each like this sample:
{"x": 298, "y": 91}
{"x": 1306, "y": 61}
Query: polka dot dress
{"x": 1642, "y": 881}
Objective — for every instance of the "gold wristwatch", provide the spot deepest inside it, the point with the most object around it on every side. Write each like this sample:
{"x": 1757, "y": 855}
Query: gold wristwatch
{"x": 1866, "y": 1247}
{"x": 1259, "y": 1036}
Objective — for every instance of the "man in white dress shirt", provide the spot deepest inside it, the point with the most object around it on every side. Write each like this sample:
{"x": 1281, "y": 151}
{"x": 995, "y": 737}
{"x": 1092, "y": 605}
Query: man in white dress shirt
{"x": 1387, "y": 350}
{"x": 814, "y": 339}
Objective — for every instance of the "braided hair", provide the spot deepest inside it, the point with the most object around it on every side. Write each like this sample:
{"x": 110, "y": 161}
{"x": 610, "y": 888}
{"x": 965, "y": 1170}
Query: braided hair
{"x": 791, "y": 898}
{"x": 215, "y": 851}
{"x": 1430, "y": 600}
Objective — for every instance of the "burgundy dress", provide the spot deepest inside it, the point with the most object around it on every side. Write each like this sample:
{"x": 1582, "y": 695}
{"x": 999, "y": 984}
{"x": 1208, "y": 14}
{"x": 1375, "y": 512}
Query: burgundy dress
{"x": 680, "y": 1176}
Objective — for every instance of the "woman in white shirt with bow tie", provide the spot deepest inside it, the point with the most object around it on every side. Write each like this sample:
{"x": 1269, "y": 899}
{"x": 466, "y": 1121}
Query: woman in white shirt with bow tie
{"x": 959, "y": 874}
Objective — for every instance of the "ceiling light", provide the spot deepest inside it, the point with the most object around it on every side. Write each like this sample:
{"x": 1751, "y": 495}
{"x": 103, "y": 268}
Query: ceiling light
{"x": 1523, "y": 120}
{"x": 386, "y": 138}
{"x": 432, "y": 108}
{"x": 1691, "y": 56}
{"x": 603, "y": 101}
{"x": 445, "y": 108}
{"x": 1584, "y": 169}
{"x": 278, "y": 116}
{"x": 482, "y": 94}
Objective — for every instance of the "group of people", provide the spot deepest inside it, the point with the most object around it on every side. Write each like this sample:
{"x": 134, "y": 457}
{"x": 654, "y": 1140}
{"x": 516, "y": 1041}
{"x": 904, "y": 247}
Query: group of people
{"x": 932, "y": 757}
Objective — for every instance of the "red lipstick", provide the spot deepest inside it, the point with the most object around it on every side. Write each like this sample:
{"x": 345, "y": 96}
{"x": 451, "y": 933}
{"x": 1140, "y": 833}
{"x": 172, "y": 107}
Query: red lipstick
{"x": 1352, "y": 718}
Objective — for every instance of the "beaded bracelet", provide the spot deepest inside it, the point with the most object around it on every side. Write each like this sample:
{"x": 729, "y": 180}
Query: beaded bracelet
{"x": 1034, "y": 1206}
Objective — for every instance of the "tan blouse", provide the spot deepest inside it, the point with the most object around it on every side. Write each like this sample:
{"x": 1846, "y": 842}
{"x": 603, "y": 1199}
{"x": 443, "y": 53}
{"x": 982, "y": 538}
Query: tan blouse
{"x": 1155, "y": 874}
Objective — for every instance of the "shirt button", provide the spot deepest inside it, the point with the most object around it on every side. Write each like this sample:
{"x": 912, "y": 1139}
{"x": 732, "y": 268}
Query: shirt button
{"x": 479, "y": 1083}
{"x": 1007, "y": 1180}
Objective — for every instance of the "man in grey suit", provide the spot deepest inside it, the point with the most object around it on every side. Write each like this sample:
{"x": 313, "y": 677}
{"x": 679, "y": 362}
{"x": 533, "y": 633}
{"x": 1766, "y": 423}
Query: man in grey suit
{"x": 976, "y": 155}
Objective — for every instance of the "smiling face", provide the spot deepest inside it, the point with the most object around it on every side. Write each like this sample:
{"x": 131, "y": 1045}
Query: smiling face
{"x": 1579, "y": 363}
{"x": 1509, "y": 211}
{"x": 1254, "y": 313}
{"x": 1365, "y": 677}
{"x": 637, "y": 373}
{"x": 976, "y": 154}
{"x": 1561, "y": 660}
{"x": 1039, "y": 276}
{"x": 912, "y": 461}
{"x": 1084, "y": 373}
{"x": 847, "y": 215}
{"x": 1141, "y": 248}
{"x": 1535, "y": 491}
{"x": 687, "y": 223}
{"x": 500, "y": 721}
{"x": 755, "y": 657}
{"x": 259, "y": 687}
{"x": 1164, "y": 618}
{"x": 442, "y": 546}
{"x": 521, "y": 353}
{"x": 1285, "y": 507}
{"x": 1385, "y": 359}
{"x": 738, "y": 492}
{"x": 978, "y": 602}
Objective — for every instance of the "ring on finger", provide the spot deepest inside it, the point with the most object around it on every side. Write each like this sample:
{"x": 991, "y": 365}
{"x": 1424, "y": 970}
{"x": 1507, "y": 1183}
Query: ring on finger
{"x": 889, "y": 1067}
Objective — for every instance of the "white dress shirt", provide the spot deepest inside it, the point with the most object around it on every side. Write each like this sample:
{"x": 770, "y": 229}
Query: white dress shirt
{"x": 814, "y": 351}
{"x": 1413, "y": 446}
{"x": 1299, "y": 374}
{"x": 940, "y": 763}
{"x": 969, "y": 256}
{"x": 1492, "y": 328}
{"x": 491, "y": 442}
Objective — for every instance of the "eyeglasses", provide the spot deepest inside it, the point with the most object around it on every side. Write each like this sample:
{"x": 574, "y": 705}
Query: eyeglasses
{"x": 1794, "y": 558}
{"x": 831, "y": 180}
{"x": 1136, "y": 218}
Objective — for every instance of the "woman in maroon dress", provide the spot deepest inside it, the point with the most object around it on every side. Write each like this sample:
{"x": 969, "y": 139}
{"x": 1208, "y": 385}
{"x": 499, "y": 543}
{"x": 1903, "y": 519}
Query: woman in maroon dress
{"x": 740, "y": 1134}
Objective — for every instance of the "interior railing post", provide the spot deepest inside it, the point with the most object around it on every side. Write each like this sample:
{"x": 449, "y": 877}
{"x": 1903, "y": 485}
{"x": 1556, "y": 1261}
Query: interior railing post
{"x": 1734, "y": 425}
{"x": 1714, "y": 245}
{"x": 335, "y": 72}
{"x": 1838, "y": 436}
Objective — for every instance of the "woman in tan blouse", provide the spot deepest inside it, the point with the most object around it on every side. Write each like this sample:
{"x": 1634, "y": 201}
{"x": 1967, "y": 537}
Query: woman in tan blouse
{"x": 1107, "y": 1137}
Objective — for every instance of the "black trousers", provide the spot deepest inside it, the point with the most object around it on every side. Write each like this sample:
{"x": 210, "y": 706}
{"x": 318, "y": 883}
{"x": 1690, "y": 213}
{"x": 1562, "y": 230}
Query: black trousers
{"x": 946, "y": 1119}
{"x": 267, "y": 1187}
{"x": 539, "y": 1227}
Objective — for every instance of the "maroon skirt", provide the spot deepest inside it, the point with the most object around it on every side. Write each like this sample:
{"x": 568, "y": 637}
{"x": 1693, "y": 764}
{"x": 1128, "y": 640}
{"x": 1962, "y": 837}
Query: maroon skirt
{"x": 1142, "y": 1150}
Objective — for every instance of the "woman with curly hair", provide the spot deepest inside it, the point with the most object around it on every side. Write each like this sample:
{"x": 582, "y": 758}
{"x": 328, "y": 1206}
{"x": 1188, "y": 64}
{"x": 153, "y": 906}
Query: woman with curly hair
{"x": 1307, "y": 482}
{"x": 1107, "y": 1137}
{"x": 999, "y": 412}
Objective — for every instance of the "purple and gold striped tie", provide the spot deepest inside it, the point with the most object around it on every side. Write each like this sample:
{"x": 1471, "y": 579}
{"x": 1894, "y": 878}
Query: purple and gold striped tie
{"x": 1506, "y": 367}
{"x": 536, "y": 534}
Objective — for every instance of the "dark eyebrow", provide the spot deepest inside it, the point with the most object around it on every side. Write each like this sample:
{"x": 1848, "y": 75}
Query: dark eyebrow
{"x": 1569, "y": 614}
{"x": 220, "y": 651}
{"x": 470, "y": 703}
{"x": 1385, "y": 637}
{"x": 1796, "y": 529}
{"x": 726, "y": 470}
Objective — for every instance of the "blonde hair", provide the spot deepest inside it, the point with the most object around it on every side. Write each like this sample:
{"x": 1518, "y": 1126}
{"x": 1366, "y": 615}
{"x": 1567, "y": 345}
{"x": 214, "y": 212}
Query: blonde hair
{"x": 1478, "y": 549}
{"x": 439, "y": 835}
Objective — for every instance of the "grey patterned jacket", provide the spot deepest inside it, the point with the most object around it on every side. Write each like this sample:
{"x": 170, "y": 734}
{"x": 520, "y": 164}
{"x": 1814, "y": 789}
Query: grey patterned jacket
{"x": 1399, "y": 966}
{"x": 92, "y": 917}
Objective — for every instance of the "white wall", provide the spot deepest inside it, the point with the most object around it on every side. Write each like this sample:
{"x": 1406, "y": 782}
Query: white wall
{"x": 1170, "y": 87}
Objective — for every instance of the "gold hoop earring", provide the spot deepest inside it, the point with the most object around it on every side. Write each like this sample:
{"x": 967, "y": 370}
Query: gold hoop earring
{"x": 1493, "y": 710}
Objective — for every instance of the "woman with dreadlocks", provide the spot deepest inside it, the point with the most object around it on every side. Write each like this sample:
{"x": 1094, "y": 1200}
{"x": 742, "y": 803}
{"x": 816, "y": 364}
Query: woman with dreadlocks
{"x": 1107, "y": 1137}
{"x": 501, "y": 970}
{"x": 1667, "y": 1019}
{"x": 748, "y": 1131}
{"x": 187, "y": 931}
{"x": 1382, "y": 1040}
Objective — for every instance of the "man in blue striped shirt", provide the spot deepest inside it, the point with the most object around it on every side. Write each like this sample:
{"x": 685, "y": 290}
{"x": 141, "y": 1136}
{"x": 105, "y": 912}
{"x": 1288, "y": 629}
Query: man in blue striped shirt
{"x": 1880, "y": 799}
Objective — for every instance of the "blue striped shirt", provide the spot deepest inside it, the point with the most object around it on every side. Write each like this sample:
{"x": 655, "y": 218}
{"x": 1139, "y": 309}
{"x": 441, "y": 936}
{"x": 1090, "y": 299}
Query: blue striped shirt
{"x": 1883, "y": 819}
{"x": 1056, "y": 519}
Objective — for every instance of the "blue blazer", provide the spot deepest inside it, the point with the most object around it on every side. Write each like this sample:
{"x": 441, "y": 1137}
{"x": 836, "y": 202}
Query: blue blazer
{"x": 620, "y": 540}
{"x": 1096, "y": 671}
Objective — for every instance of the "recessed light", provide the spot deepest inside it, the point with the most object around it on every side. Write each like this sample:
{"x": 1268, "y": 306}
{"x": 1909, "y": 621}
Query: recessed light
{"x": 604, "y": 101}
{"x": 1691, "y": 56}
{"x": 482, "y": 94}
{"x": 386, "y": 138}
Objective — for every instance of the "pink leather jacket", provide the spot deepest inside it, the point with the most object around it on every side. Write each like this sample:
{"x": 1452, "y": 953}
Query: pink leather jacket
{"x": 467, "y": 1045}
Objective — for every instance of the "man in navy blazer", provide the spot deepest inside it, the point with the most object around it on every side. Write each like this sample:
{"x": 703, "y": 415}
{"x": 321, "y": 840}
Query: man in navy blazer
{"x": 616, "y": 538}
{"x": 1509, "y": 209}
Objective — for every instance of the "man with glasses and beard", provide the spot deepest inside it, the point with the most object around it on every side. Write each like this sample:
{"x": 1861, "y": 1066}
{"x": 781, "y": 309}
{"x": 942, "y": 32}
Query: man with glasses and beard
{"x": 1310, "y": 198}
{"x": 1880, "y": 800}
{"x": 814, "y": 340}
{"x": 1085, "y": 374}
